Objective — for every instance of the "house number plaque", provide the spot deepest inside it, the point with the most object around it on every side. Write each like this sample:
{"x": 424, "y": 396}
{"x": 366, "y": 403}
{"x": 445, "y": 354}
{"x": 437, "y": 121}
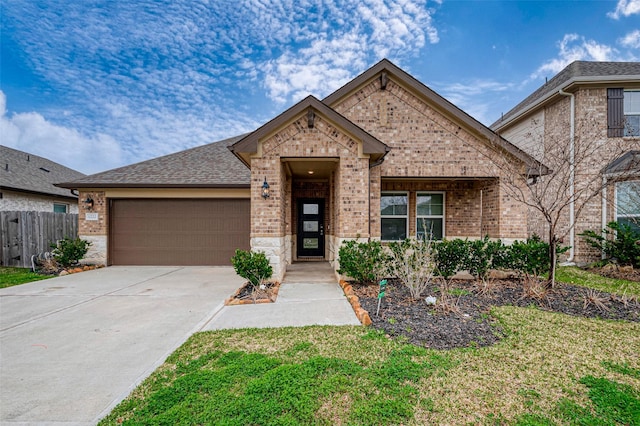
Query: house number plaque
{"x": 91, "y": 216}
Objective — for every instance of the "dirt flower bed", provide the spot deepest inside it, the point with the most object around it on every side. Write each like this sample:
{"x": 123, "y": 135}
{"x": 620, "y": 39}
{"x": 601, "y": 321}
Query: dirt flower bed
{"x": 245, "y": 295}
{"x": 618, "y": 272}
{"x": 470, "y": 323}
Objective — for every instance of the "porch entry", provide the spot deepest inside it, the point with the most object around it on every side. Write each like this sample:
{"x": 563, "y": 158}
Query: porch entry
{"x": 310, "y": 227}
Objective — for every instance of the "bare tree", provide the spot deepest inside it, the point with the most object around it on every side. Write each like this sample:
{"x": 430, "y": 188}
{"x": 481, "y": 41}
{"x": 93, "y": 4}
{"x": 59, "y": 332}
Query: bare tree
{"x": 566, "y": 176}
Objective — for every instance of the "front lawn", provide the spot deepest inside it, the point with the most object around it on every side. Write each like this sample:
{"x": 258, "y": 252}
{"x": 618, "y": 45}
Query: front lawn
{"x": 14, "y": 276}
{"x": 550, "y": 369}
{"x": 577, "y": 276}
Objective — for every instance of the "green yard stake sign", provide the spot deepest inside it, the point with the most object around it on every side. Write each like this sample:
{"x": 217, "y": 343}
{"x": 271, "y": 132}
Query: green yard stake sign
{"x": 383, "y": 286}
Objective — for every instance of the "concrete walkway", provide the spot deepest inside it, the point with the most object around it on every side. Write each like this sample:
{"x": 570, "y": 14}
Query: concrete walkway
{"x": 309, "y": 295}
{"x": 73, "y": 347}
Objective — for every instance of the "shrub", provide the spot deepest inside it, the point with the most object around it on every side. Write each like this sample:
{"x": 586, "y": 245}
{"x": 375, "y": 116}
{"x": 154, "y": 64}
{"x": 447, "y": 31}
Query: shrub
{"x": 253, "y": 266}
{"x": 364, "y": 262}
{"x": 412, "y": 262}
{"x": 450, "y": 257}
{"x": 69, "y": 251}
{"x": 484, "y": 255}
{"x": 530, "y": 257}
{"x": 619, "y": 242}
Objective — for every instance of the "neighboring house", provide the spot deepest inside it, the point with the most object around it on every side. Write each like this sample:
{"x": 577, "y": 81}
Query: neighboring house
{"x": 27, "y": 183}
{"x": 597, "y": 106}
{"x": 384, "y": 157}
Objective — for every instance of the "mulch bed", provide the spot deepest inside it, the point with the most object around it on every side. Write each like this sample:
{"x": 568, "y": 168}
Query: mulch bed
{"x": 471, "y": 325}
{"x": 244, "y": 295}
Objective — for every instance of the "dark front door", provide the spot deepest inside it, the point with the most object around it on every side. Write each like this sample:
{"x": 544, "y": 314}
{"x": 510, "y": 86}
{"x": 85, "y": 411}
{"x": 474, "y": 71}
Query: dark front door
{"x": 311, "y": 227}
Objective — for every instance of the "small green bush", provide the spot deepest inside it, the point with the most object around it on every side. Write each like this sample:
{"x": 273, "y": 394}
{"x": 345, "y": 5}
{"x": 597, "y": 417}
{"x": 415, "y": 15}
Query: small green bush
{"x": 364, "y": 262}
{"x": 484, "y": 255}
{"x": 451, "y": 256}
{"x": 530, "y": 257}
{"x": 253, "y": 266}
{"x": 69, "y": 251}
{"x": 619, "y": 242}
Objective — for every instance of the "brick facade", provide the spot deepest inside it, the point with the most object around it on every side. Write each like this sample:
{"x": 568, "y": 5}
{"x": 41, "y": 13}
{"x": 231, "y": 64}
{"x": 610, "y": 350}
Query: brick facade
{"x": 370, "y": 139}
{"x": 593, "y": 152}
{"x": 94, "y": 231}
{"x": 429, "y": 152}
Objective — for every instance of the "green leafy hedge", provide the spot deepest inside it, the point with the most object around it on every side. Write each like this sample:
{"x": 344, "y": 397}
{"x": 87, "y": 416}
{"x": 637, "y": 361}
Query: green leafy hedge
{"x": 368, "y": 261}
{"x": 619, "y": 243}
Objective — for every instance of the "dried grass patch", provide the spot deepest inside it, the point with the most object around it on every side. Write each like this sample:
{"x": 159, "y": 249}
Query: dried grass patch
{"x": 537, "y": 364}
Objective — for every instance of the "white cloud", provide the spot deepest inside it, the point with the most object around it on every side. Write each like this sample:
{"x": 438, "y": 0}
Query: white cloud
{"x": 625, "y": 8}
{"x": 478, "y": 98}
{"x": 32, "y": 133}
{"x": 142, "y": 79}
{"x": 574, "y": 47}
{"x": 359, "y": 34}
{"x": 631, "y": 40}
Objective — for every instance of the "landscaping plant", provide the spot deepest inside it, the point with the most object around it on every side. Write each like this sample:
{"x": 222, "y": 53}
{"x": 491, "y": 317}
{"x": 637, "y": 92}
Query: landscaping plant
{"x": 253, "y": 266}
{"x": 365, "y": 262}
{"x": 69, "y": 251}
{"x": 450, "y": 257}
{"x": 412, "y": 262}
{"x": 619, "y": 243}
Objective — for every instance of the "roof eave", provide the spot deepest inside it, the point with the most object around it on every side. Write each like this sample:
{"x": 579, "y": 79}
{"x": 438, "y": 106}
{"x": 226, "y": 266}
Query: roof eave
{"x": 568, "y": 86}
{"x": 34, "y": 192}
{"x": 78, "y": 185}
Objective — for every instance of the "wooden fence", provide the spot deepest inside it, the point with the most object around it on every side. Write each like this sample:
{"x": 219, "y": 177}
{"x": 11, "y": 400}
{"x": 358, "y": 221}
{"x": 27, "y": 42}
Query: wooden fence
{"x": 23, "y": 234}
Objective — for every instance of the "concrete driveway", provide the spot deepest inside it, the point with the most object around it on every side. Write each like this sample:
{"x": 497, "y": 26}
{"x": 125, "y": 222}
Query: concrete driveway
{"x": 72, "y": 347}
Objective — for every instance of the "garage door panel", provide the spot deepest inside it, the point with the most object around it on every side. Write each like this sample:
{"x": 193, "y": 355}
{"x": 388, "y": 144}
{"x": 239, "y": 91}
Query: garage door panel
{"x": 177, "y": 231}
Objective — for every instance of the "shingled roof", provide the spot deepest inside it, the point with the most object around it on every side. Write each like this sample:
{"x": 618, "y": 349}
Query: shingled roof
{"x": 627, "y": 164}
{"x": 24, "y": 172}
{"x": 578, "y": 72}
{"x": 206, "y": 166}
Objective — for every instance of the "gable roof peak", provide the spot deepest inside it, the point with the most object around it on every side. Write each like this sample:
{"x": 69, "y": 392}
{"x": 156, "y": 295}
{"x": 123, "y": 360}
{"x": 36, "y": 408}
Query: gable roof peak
{"x": 249, "y": 144}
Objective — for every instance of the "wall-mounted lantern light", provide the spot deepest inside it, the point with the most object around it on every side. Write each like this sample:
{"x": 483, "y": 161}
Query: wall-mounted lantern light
{"x": 88, "y": 203}
{"x": 265, "y": 189}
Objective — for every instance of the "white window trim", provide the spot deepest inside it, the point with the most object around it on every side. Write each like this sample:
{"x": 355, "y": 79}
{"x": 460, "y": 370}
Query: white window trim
{"x": 624, "y": 115}
{"x": 406, "y": 216}
{"x": 444, "y": 211}
{"x": 616, "y": 215}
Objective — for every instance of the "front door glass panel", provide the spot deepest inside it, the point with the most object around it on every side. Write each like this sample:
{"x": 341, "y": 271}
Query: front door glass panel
{"x": 310, "y": 241}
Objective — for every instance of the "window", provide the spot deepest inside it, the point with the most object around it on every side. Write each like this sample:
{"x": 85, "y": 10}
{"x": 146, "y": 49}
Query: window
{"x": 394, "y": 216}
{"x": 59, "y": 208}
{"x": 631, "y": 113}
{"x": 628, "y": 203}
{"x": 430, "y": 215}
{"x": 623, "y": 113}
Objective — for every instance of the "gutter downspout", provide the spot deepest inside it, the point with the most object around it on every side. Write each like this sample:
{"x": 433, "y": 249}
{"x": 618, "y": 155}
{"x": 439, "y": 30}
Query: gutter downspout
{"x": 572, "y": 204}
{"x": 603, "y": 224}
{"x": 371, "y": 166}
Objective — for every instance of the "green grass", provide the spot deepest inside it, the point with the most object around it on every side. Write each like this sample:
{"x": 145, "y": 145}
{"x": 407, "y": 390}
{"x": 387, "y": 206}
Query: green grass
{"x": 577, "y": 276}
{"x": 551, "y": 369}
{"x": 610, "y": 403}
{"x": 15, "y": 276}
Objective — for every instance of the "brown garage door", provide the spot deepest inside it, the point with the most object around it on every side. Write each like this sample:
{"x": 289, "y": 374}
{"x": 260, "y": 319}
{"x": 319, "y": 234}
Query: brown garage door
{"x": 177, "y": 231}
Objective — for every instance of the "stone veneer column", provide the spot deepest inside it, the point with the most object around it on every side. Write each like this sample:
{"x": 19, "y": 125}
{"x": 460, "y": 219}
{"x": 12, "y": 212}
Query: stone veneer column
{"x": 268, "y": 216}
{"x": 93, "y": 226}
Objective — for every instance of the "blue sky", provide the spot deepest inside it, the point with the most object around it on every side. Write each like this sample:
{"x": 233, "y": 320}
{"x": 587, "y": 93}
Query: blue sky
{"x": 96, "y": 84}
